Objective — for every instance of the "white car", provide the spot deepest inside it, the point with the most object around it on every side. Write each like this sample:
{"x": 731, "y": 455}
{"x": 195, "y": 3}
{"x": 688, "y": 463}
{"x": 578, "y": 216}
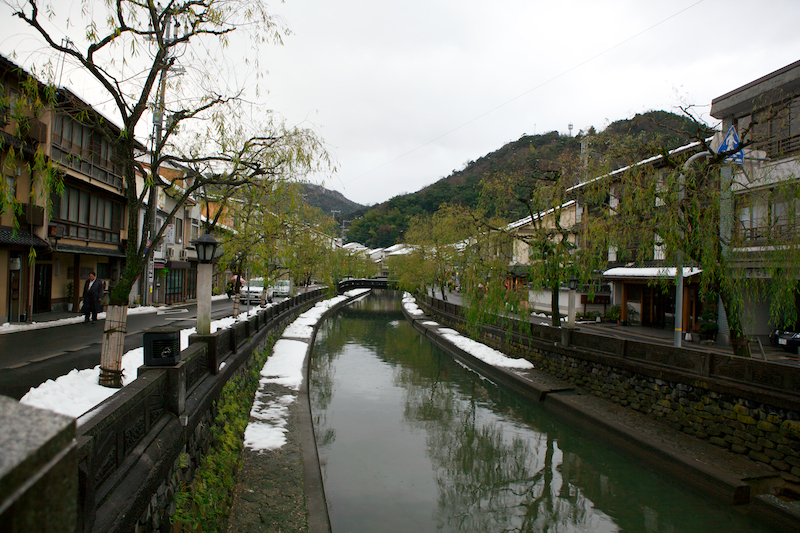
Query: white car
{"x": 253, "y": 290}
{"x": 283, "y": 288}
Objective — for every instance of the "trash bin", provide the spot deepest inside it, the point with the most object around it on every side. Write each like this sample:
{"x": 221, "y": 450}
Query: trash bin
{"x": 162, "y": 346}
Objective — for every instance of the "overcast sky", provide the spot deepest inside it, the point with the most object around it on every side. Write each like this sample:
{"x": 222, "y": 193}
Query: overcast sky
{"x": 405, "y": 92}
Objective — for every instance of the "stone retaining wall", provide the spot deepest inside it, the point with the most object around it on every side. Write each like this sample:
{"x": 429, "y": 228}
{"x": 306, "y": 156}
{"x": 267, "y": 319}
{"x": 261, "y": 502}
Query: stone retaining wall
{"x": 744, "y": 417}
{"x": 138, "y": 447}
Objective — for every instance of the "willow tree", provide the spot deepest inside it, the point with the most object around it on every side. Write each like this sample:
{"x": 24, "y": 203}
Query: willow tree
{"x": 309, "y": 241}
{"x": 134, "y": 52}
{"x": 684, "y": 209}
{"x": 543, "y": 247}
{"x": 434, "y": 240}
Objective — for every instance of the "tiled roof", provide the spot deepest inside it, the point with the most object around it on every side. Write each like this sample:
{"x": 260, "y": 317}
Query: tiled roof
{"x": 21, "y": 238}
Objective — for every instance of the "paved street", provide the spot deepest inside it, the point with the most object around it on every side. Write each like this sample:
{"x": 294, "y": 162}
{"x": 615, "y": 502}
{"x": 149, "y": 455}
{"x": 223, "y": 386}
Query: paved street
{"x": 28, "y": 358}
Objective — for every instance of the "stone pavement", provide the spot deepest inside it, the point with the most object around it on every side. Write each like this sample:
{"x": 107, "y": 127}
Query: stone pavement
{"x": 270, "y": 491}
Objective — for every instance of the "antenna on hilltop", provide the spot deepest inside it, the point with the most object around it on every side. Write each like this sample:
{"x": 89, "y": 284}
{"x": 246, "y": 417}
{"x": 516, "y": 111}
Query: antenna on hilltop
{"x": 570, "y": 129}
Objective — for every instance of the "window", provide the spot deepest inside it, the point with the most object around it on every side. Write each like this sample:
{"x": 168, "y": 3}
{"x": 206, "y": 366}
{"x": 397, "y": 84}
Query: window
{"x": 85, "y": 215}
{"x": 776, "y": 129}
{"x": 195, "y": 231}
{"x": 766, "y": 215}
{"x": 80, "y": 148}
{"x": 178, "y": 230}
{"x": 11, "y": 187}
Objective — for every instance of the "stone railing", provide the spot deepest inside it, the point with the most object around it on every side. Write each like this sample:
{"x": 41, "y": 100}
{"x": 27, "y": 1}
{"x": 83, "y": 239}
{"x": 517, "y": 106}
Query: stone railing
{"x": 748, "y": 406}
{"x": 130, "y": 453}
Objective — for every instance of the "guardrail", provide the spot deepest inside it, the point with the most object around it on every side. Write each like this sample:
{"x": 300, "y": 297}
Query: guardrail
{"x": 762, "y": 381}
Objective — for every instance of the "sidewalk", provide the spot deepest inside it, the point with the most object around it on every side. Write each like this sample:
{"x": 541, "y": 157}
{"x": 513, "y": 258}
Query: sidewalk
{"x": 60, "y": 318}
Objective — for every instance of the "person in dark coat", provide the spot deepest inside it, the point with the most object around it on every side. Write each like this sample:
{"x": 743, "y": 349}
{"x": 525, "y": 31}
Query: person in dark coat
{"x": 92, "y": 296}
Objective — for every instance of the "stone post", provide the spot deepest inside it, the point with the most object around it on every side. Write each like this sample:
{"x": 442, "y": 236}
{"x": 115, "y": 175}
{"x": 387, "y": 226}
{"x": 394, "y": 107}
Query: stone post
{"x": 204, "y": 279}
{"x": 38, "y": 470}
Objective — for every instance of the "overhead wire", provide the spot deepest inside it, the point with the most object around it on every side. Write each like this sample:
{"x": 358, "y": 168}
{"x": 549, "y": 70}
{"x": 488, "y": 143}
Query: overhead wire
{"x": 521, "y": 95}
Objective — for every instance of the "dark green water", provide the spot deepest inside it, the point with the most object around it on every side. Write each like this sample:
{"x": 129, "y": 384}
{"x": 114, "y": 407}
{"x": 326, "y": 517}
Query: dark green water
{"x": 410, "y": 441}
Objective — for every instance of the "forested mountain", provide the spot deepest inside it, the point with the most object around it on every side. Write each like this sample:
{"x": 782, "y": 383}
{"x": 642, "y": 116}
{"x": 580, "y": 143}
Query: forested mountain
{"x": 328, "y": 201}
{"x": 622, "y": 142}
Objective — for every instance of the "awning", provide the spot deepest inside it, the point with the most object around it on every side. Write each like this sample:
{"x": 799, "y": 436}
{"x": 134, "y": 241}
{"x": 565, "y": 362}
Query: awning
{"x": 648, "y": 273}
{"x": 177, "y": 265}
{"x": 20, "y": 238}
{"x": 87, "y": 250}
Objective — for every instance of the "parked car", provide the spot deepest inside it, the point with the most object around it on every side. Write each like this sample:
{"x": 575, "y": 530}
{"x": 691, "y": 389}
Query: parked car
{"x": 282, "y": 287}
{"x": 253, "y": 290}
{"x": 788, "y": 340}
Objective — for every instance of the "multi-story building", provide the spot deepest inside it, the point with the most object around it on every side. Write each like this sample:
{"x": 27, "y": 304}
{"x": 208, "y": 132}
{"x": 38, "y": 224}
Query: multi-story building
{"x": 174, "y": 277}
{"x": 757, "y": 194}
{"x": 88, "y": 223}
{"x": 25, "y": 273}
{"x": 65, "y": 178}
{"x": 765, "y": 114}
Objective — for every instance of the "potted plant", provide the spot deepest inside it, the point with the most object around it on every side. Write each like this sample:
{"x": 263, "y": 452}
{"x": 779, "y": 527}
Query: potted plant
{"x": 70, "y": 293}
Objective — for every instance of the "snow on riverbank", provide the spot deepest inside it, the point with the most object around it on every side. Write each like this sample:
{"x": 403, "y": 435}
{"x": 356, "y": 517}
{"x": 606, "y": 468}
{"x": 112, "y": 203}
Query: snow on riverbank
{"x": 476, "y": 349}
{"x": 76, "y": 392}
{"x": 267, "y": 429}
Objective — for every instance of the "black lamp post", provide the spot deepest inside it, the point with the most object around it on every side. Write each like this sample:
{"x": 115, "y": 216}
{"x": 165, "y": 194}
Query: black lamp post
{"x": 206, "y": 247}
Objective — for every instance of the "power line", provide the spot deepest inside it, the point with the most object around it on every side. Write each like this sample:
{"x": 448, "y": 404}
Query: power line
{"x": 546, "y": 82}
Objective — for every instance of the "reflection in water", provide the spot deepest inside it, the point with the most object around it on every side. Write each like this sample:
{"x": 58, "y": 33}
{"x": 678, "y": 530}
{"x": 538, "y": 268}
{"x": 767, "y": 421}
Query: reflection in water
{"x": 411, "y": 441}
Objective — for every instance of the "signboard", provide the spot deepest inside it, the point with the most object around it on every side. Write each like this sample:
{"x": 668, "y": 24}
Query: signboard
{"x": 169, "y": 234}
{"x": 729, "y": 143}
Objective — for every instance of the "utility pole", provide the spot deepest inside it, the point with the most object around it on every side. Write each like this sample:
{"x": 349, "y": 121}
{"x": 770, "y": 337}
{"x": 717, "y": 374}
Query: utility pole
{"x": 158, "y": 124}
{"x": 335, "y": 212}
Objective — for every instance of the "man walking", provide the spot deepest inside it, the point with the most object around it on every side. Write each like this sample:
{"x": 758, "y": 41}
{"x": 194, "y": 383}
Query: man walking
{"x": 92, "y": 295}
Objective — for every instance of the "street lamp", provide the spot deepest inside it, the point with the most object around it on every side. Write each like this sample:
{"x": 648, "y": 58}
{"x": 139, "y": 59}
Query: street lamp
{"x": 206, "y": 247}
{"x": 573, "y": 286}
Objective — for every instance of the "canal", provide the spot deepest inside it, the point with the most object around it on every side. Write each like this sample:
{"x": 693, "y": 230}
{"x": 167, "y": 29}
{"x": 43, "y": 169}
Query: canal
{"x": 409, "y": 440}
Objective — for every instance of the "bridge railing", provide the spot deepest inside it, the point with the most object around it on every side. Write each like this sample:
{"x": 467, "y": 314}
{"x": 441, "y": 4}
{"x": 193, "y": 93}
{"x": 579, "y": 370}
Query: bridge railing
{"x": 366, "y": 283}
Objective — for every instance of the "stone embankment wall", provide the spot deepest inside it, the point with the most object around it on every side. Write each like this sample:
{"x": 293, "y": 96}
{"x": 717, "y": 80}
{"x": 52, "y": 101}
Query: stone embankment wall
{"x": 138, "y": 447}
{"x": 747, "y": 406}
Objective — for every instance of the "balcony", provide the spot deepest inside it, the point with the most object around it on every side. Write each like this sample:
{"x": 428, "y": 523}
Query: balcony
{"x": 779, "y": 147}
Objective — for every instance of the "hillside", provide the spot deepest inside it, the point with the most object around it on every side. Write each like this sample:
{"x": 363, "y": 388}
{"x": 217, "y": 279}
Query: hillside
{"x": 327, "y": 200}
{"x": 385, "y": 224}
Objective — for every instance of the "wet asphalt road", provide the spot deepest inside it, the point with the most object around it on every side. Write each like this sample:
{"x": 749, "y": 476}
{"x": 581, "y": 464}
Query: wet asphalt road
{"x": 28, "y": 358}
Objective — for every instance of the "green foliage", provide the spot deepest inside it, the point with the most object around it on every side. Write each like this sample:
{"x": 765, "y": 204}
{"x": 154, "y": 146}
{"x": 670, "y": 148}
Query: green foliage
{"x": 588, "y": 316}
{"x": 386, "y": 223}
{"x": 614, "y": 313}
{"x": 205, "y": 504}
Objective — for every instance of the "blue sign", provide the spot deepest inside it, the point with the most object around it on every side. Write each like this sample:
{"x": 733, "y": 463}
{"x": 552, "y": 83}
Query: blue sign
{"x": 729, "y": 143}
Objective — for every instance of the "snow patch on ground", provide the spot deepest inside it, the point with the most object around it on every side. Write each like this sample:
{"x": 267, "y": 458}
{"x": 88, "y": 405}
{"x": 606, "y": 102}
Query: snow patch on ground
{"x": 475, "y": 349}
{"x": 268, "y": 431}
{"x": 410, "y": 305}
{"x": 285, "y": 367}
{"x": 77, "y": 392}
{"x": 485, "y": 353}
